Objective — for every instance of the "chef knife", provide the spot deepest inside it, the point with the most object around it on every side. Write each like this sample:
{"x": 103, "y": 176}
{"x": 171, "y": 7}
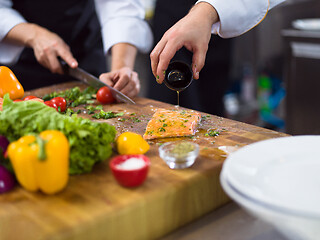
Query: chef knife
{"x": 93, "y": 81}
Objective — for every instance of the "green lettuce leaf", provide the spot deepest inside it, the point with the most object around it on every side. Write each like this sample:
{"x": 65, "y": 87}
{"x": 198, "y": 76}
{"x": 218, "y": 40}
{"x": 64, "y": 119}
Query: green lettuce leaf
{"x": 90, "y": 142}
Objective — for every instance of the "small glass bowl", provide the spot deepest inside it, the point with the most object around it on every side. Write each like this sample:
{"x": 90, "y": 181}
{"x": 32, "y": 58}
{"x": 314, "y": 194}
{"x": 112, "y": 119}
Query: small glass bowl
{"x": 179, "y": 154}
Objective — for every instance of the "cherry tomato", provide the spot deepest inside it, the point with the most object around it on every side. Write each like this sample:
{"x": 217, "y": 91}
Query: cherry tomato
{"x": 104, "y": 95}
{"x": 51, "y": 104}
{"x": 18, "y": 100}
{"x": 60, "y": 102}
{"x": 29, "y": 98}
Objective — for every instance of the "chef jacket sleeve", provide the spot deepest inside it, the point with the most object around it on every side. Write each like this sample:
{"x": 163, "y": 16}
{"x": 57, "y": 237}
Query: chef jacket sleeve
{"x": 239, "y": 16}
{"x": 9, "y": 53}
{"x": 122, "y": 21}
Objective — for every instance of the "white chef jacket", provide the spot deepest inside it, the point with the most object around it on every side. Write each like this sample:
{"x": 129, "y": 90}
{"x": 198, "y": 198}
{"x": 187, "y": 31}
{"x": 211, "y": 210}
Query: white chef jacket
{"x": 239, "y": 16}
{"x": 121, "y": 21}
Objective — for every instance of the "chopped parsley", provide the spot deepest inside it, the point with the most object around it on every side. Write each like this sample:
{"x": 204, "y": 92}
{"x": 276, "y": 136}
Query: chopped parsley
{"x": 99, "y": 107}
{"x": 205, "y": 117}
{"x": 135, "y": 119}
{"x": 162, "y": 129}
{"x": 106, "y": 115}
{"x": 91, "y": 109}
{"x": 150, "y": 132}
{"x": 70, "y": 112}
{"x": 212, "y": 133}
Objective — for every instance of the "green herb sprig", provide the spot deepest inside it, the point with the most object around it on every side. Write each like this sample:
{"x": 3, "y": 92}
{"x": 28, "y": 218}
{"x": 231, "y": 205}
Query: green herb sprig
{"x": 107, "y": 115}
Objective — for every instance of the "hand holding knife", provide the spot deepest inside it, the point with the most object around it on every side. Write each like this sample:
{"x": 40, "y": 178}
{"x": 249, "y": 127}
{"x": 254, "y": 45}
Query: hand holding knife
{"x": 93, "y": 81}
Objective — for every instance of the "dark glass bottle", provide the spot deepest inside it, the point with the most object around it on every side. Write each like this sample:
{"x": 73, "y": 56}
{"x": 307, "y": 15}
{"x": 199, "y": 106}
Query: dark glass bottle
{"x": 178, "y": 76}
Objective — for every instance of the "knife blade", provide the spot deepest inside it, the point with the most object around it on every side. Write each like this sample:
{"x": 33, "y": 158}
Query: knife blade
{"x": 93, "y": 81}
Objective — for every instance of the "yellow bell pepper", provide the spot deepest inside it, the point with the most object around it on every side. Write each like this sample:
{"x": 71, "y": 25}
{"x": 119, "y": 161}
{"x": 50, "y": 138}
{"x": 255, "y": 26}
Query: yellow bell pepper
{"x": 10, "y": 84}
{"x": 41, "y": 162}
{"x": 131, "y": 143}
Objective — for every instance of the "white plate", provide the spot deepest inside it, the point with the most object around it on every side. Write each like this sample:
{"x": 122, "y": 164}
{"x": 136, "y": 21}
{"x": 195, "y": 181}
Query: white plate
{"x": 292, "y": 226}
{"x": 312, "y": 24}
{"x": 283, "y": 173}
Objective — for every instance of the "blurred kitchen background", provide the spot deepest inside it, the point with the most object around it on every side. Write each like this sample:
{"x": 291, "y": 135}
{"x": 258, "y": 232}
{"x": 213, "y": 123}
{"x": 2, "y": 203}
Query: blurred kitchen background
{"x": 275, "y": 71}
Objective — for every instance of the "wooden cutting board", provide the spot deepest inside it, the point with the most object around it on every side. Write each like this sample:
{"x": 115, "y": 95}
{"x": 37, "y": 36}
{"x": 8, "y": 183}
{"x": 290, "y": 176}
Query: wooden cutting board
{"x": 94, "y": 206}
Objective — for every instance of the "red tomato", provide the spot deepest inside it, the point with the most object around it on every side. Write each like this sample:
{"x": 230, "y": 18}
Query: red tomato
{"x": 60, "y": 102}
{"x": 29, "y": 97}
{"x": 51, "y": 104}
{"x": 17, "y": 100}
{"x": 104, "y": 95}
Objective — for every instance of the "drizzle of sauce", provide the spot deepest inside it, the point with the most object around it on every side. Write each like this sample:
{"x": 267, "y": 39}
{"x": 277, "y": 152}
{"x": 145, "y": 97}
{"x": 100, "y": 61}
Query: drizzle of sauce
{"x": 214, "y": 153}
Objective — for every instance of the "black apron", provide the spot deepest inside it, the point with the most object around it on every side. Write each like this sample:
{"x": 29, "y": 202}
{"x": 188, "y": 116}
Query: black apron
{"x": 76, "y": 22}
{"x": 205, "y": 94}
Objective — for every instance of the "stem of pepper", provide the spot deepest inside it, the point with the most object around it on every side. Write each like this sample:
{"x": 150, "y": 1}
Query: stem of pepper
{"x": 42, "y": 151}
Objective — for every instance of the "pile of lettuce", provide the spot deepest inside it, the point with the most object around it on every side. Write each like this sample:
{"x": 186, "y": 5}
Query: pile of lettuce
{"x": 90, "y": 142}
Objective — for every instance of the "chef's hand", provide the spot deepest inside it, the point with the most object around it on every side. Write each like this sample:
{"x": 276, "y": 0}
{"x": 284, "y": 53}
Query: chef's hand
{"x": 124, "y": 80}
{"x": 193, "y": 32}
{"x": 47, "y": 46}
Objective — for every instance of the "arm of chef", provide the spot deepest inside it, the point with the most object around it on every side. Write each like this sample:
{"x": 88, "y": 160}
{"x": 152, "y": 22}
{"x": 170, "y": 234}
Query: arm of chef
{"x": 122, "y": 21}
{"x": 9, "y": 52}
{"x": 239, "y": 16}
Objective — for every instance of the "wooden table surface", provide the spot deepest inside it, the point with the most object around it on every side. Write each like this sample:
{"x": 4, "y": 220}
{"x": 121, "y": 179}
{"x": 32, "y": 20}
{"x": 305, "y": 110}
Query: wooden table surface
{"x": 94, "y": 206}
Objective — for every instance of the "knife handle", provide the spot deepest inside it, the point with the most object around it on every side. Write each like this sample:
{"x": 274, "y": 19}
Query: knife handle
{"x": 64, "y": 65}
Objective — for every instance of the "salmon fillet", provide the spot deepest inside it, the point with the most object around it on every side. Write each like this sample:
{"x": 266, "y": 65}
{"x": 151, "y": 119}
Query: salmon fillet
{"x": 172, "y": 123}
